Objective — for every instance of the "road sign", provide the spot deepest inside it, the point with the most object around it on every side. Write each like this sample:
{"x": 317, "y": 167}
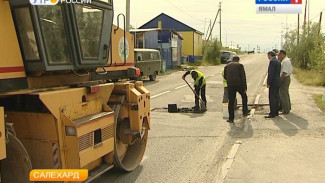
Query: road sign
{"x": 278, "y": 6}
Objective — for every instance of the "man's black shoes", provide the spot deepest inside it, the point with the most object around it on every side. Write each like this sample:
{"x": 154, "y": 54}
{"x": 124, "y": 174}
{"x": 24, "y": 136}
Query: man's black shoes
{"x": 246, "y": 114}
{"x": 269, "y": 116}
{"x": 230, "y": 121}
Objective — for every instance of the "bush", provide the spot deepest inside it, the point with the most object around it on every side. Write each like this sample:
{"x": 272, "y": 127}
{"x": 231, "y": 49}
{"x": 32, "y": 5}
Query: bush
{"x": 309, "y": 53}
{"x": 211, "y": 52}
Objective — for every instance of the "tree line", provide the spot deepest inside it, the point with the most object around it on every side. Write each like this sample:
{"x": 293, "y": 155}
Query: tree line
{"x": 306, "y": 49}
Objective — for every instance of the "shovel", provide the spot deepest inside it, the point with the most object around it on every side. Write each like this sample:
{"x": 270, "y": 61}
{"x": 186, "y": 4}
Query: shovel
{"x": 202, "y": 103}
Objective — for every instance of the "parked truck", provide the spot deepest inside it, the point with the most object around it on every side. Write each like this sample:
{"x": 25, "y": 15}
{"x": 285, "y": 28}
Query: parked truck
{"x": 64, "y": 100}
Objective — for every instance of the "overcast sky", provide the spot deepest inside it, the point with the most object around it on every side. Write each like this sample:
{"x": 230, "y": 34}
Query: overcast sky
{"x": 240, "y": 23}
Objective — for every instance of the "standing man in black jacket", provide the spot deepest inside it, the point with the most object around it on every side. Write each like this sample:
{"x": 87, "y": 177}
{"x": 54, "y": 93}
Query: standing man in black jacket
{"x": 236, "y": 81}
{"x": 273, "y": 83}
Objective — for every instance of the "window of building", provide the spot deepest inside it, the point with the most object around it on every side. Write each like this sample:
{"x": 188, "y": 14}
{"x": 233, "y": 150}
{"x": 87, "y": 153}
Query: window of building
{"x": 139, "y": 40}
{"x": 139, "y": 56}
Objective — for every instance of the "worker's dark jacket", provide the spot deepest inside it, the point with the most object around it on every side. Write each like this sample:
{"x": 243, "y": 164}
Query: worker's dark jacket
{"x": 273, "y": 78}
{"x": 235, "y": 75}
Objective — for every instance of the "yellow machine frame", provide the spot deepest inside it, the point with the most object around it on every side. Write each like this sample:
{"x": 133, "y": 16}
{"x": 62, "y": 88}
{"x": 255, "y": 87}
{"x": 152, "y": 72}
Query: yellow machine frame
{"x": 2, "y": 135}
{"x": 69, "y": 121}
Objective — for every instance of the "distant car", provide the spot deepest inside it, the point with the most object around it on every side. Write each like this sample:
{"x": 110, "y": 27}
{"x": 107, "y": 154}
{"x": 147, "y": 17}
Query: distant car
{"x": 148, "y": 61}
{"x": 226, "y": 55}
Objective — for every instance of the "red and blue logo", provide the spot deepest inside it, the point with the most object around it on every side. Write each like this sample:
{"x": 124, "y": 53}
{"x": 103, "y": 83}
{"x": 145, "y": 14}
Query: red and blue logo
{"x": 278, "y": 1}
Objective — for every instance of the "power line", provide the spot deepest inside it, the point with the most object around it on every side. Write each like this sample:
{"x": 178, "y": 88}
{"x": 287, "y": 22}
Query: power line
{"x": 317, "y": 15}
{"x": 179, "y": 9}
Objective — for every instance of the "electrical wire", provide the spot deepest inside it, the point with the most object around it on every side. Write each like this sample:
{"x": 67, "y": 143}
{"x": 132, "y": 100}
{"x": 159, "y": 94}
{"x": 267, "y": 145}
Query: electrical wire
{"x": 179, "y": 9}
{"x": 317, "y": 15}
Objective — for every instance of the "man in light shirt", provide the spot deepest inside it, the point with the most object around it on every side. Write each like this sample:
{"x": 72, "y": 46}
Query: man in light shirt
{"x": 286, "y": 71}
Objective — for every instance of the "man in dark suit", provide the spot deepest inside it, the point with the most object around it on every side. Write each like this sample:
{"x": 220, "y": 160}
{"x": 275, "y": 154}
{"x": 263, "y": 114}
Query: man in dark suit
{"x": 235, "y": 76}
{"x": 273, "y": 83}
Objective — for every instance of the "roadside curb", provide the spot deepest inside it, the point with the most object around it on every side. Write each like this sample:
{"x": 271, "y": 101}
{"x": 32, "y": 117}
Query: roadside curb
{"x": 235, "y": 147}
{"x": 229, "y": 160}
{"x": 252, "y": 113}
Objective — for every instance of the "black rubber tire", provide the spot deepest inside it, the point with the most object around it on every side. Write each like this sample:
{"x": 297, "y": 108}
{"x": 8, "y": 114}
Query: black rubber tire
{"x": 17, "y": 165}
{"x": 153, "y": 77}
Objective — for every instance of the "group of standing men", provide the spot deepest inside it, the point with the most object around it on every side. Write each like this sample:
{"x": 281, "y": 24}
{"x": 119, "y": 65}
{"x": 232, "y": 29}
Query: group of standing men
{"x": 278, "y": 82}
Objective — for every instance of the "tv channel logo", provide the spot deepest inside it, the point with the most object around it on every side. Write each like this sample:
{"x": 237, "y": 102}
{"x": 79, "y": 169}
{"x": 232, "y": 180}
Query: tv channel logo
{"x": 54, "y": 2}
{"x": 43, "y": 2}
{"x": 278, "y": 6}
{"x": 278, "y": 1}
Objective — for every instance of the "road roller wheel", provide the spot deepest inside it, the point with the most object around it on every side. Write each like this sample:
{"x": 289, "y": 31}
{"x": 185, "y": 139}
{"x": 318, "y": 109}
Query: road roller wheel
{"x": 17, "y": 165}
{"x": 127, "y": 156}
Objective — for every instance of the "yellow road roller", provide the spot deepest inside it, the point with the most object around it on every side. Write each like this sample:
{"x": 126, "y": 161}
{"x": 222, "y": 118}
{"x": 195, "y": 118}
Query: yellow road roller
{"x": 66, "y": 100}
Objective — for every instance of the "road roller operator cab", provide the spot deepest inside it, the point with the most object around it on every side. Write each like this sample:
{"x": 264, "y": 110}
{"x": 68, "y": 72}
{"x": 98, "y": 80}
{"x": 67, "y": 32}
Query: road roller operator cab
{"x": 64, "y": 36}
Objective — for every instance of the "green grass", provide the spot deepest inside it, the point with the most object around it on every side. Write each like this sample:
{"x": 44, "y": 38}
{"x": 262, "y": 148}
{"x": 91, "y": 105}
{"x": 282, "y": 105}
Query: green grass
{"x": 319, "y": 101}
{"x": 310, "y": 77}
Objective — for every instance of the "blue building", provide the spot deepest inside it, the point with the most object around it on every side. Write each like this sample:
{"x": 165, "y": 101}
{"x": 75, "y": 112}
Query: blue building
{"x": 192, "y": 38}
{"x": 167, "y": 41}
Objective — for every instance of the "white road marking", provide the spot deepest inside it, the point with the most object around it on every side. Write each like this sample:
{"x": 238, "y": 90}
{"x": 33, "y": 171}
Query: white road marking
{"x": 159, "y": 94}
{"x": 265, "y": 80}
{"x": 180, "y": 87}
{"x": 230, "y": 159}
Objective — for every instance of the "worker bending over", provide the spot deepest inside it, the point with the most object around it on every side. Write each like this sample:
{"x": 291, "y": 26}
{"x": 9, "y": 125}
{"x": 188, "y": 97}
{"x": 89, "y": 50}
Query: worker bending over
{"x": 199, "y": 86}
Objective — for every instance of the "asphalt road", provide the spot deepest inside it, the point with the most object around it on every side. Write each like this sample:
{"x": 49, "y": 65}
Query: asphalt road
{"x": 186, "y": 147}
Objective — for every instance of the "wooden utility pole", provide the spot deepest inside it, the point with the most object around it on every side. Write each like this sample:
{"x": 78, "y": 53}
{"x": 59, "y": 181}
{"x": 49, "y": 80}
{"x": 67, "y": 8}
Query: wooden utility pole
{"x": 207, "y": 32}
{"x": 305, "y": 15}
{"x": 320, "y": 22}
{"x": 205, "y": 20}
{"x": 210, "y": 30}
{"x": 220, "y": 21}
{"x": 215, "y": 19}
{"x": 298, "y": 29}
{"x": 282, "y": 33}
{"x": 127, "y": 12}
{"x": 308, "y": 16}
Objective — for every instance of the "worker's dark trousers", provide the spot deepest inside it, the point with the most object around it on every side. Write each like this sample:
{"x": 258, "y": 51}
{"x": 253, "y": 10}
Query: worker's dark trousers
{"x": 274, "y": 101}
{"x": 232, "y": 90}
{"x": 197, "y": 90}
